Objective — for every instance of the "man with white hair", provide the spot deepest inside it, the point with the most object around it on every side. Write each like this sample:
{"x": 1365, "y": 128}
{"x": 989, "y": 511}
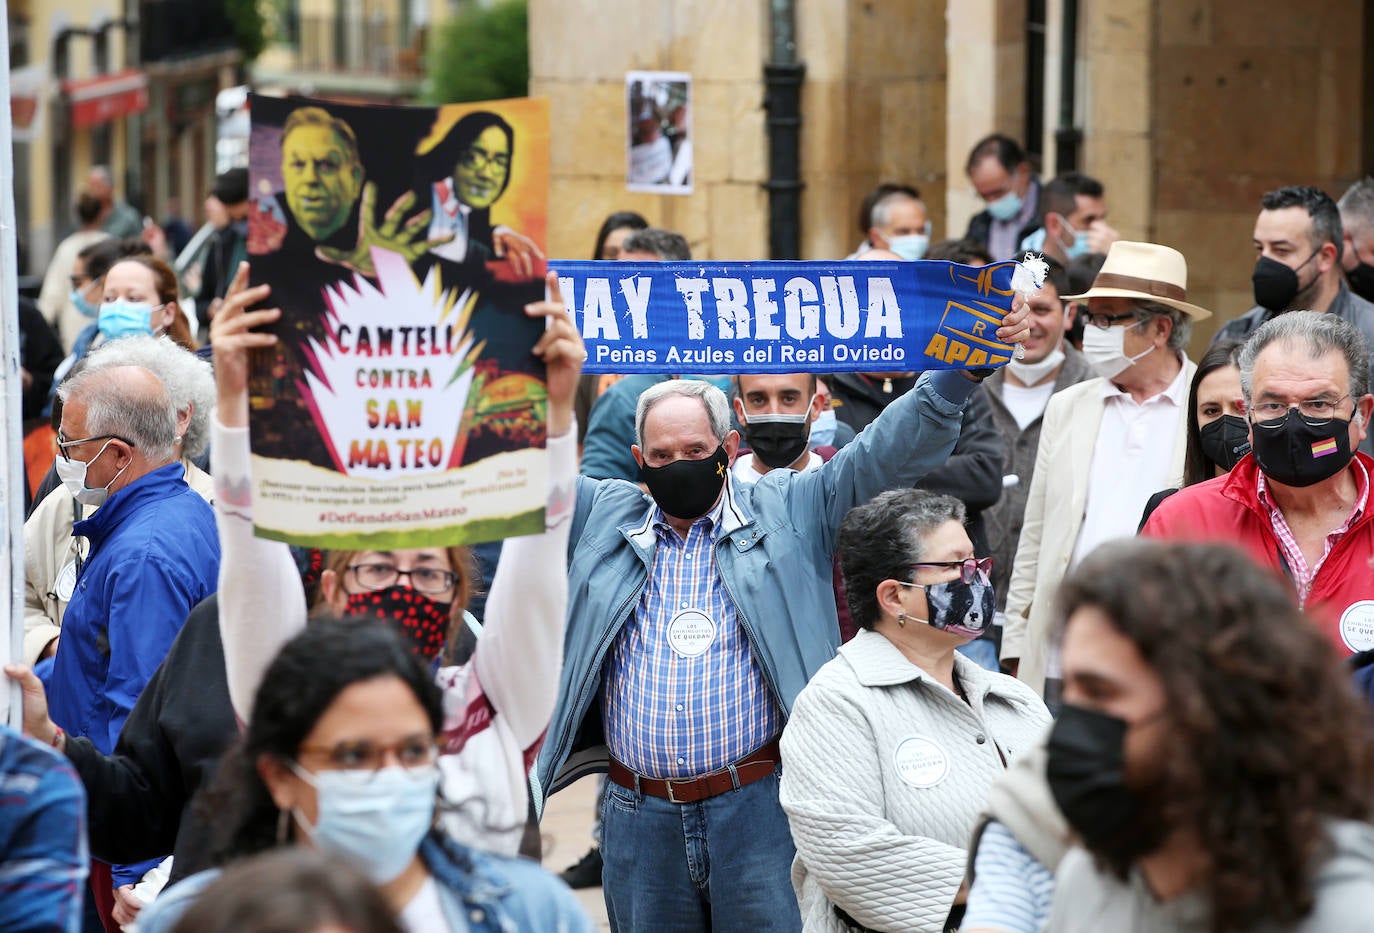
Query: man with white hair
{"x": 154, "y": 554}
{"x": 52, "y": 554}
{"x": 1300, "y": 502}
{"x": 697, "y": 611}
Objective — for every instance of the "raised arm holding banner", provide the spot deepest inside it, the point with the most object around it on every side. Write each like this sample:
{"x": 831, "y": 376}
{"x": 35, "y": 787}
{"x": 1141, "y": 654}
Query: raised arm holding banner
{"x": 785, "y": 317}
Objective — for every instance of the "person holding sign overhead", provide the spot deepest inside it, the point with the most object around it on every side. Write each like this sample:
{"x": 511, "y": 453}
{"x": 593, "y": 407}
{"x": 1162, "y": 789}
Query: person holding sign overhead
{"x": 894, "y": 744}
{"x": 697, "y": 612}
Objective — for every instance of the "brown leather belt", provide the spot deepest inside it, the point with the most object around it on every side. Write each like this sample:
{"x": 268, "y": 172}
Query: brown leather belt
{"x": 753, "y": 767}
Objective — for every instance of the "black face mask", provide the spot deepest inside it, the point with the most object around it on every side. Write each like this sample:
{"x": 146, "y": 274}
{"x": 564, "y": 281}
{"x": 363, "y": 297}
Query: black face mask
{"x": 1295, "y": 452}
{"x": 424, "y": 622}
{"x": 1275, "y": 284}
{"x": 1086, "y": 769}
{"x": 778, "y": 440}
{"x": 1361, "y": 280}
{"x": 687, "y": 489}
{"x": 1225, "y": 441}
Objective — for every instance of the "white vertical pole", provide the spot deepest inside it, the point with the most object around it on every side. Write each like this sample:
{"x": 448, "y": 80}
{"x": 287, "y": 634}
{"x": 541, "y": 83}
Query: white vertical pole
{"x": 12, "y": 491}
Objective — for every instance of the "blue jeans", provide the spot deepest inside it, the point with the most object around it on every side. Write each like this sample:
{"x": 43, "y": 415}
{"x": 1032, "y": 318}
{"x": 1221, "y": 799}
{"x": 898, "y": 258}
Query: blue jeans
{"x": 723, "y": 863}
{"x": 981, "y": 652}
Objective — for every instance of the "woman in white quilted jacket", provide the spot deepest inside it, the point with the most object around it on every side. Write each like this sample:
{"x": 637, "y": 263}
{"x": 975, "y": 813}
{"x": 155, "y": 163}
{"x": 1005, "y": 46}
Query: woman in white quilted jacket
{"x": 892, "y": 747}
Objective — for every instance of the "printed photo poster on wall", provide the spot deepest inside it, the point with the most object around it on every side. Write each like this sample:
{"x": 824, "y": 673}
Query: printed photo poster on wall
{"x": 658, "y": 142}
{"x": 402, "y": 406}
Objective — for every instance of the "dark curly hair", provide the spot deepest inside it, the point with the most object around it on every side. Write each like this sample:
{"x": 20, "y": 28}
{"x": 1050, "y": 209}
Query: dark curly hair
{"x": 302, "y": 682}
{"x": 1268, "y": 739}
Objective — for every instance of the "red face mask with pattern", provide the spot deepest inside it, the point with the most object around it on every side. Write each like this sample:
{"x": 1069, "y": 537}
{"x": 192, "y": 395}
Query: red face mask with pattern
{"x": 423, "y": 621}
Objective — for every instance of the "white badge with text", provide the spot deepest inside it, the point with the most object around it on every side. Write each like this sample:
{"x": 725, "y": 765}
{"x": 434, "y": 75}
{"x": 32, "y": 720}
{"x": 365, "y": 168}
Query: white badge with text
{"x": 1357, "y": 626}
{"x": 920, "y": 762}
{"x": 66, "y": 582}
{"x": 690, "y": 633}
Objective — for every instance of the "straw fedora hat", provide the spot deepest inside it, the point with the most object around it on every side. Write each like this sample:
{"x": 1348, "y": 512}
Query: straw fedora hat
{"x": 1146, "y": 271}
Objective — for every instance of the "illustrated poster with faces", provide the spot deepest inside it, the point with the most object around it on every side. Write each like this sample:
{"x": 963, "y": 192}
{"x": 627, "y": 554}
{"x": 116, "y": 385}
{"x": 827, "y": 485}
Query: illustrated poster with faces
{"x": 403, "y": 406}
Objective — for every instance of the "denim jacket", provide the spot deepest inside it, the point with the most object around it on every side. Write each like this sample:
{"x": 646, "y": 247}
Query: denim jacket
{"x": 774, "y": 554}
{"x": 481, "y": 893}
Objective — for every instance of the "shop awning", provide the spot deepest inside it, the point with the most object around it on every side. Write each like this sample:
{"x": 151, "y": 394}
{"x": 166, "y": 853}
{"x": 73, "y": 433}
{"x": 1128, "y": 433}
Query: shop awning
{"x": 108, "y": 97}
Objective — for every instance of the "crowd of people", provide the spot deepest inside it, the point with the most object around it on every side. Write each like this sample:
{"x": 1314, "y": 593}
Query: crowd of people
{"x": 1085, "y": 642}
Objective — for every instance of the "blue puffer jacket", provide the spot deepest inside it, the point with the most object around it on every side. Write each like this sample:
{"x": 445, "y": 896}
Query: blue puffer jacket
{"x": 774, "y": 554}
{"x": 154, "y": 555}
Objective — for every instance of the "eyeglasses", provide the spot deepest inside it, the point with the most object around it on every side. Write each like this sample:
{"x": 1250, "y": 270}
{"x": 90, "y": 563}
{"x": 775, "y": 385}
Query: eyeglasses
{"x": 478, "y": 160}
{"x": 412, "y": 753}
{"x": 424, "y": 579}
{"x": 63, "y": 445}
{"x": 1312, "y": 410}
{"x": 971, "y": 570}
{"x": 1105, "y": 321}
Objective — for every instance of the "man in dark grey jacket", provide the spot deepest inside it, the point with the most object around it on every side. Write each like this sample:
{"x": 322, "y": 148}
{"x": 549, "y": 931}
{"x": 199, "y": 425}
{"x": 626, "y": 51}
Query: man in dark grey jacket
{"x": 1017, "y": 395}
{"x": 1299, "y": 242}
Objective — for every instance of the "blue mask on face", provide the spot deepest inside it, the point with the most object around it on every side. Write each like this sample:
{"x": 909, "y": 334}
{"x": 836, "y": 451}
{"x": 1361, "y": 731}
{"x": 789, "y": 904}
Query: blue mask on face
{"x": 1079, "y": 246}
{"x": 374, "y": 821}
{"x": 910, "y": 247}
{"x": 79, "y": 301}
{"x": 123, "y": 318}
{"x": 1006, "y": 207}
{"x": 823, "y": 428}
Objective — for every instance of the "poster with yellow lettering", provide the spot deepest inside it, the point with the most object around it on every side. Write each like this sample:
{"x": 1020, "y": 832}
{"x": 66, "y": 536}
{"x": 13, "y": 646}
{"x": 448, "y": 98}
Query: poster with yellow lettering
{"x": 402, "y": 406}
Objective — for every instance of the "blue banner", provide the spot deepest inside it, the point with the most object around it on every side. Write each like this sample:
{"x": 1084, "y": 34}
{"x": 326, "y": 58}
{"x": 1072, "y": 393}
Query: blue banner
{"x": 786, "y": 317}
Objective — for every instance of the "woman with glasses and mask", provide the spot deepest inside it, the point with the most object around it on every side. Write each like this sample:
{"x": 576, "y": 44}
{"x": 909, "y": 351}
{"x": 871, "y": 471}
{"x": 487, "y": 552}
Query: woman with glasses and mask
{"x": 891, "y": 748}
{"x": 499, "y": 704}
{"x": 473, "y": 167}
{"x": 341, "y": 755}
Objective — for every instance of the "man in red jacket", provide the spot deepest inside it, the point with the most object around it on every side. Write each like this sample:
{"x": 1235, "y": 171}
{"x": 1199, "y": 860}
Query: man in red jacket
{"x": 1300, "y": 503}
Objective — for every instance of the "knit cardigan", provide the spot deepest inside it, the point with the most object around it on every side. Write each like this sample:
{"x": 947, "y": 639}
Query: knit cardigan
{"x": 884, "y": 773}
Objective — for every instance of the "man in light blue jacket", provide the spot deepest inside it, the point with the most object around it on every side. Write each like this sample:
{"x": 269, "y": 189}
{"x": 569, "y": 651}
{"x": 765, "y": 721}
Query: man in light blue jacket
{"x": 696, "y": 614}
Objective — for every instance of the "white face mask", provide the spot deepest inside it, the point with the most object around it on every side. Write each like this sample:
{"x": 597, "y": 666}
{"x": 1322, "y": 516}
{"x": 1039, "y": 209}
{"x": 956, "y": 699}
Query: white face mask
{"x": 1031, "y": 373}
{"x": 73, "y": 476}
{"x": 1105, "y": 350}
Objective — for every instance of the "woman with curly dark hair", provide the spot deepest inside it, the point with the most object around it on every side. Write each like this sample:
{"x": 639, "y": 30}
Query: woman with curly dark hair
{"x": 1210, "y": 755}
{"x": 340, "y": 755}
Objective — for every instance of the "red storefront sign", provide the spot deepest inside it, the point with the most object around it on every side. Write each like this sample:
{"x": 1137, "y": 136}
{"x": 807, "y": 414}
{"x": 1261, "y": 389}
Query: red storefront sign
{"x": 108, "y": 97}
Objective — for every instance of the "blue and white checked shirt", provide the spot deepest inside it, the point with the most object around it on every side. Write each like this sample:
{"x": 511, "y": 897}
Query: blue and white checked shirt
{"x": 669, "y": 716}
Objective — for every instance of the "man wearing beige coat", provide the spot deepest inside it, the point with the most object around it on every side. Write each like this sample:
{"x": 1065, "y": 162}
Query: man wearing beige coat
{"x": 1106, "y": 445}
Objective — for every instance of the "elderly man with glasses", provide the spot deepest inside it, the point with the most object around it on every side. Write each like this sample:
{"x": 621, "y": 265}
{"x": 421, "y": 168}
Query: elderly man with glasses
{"x": 1300, "y": 502}
{"x": 154, "y": 553}
{"x": 1106, "y": 445}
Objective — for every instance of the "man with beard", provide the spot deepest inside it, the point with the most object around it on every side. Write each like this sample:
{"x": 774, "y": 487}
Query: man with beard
{"x": 1210, "y": 756}
{"x": 1301, "y": 245}
{"x": 776, "y": 412}
{"x": 697, "y": 612}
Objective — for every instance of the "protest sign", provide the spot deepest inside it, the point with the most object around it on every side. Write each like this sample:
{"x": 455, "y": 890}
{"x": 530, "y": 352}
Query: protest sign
{"x": 402, "y": 406}
{"x": 658, "y": 141}
{"x": 786, "y": 317}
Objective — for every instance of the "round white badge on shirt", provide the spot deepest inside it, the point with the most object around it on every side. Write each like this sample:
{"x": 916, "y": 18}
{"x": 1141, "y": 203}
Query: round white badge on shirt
{"x": 1357, "y": 625}
{"x": 690, "y": 633}
{"x": 66, "y": 582}
{"x": 920, "y": 762}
